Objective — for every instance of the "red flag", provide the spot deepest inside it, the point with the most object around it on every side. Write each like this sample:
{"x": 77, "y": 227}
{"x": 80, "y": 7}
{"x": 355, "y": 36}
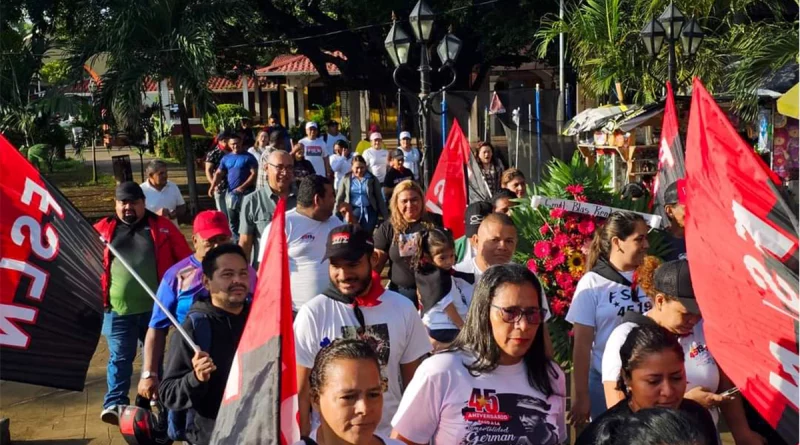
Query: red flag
{"x": 447, "y": 194}
{"x": 671, "y": 166}
{"x": 51, "y": 260}
{"x": 496, "y": 107}
{"x": 260, "y": 404}
{"x": 742, "y": 246}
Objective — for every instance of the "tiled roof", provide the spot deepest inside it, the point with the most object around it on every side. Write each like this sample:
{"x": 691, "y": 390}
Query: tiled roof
{"x": 215, "y": 84}
{"x": 288, "y": 64}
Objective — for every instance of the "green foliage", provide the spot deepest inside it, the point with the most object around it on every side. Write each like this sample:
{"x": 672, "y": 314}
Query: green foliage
{"x": 559, "y": 174}
{"x": 227, "y": 117}
{"x": 56, "y": 72}
{"x": 172, "y": 147}
{"x": 41, "y": 155}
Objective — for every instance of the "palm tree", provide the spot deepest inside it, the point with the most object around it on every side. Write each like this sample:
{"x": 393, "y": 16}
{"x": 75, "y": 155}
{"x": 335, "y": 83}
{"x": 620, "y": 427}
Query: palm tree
{"x": 155, "y": 40}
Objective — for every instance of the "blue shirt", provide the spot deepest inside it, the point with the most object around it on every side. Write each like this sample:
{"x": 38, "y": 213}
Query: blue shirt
{"x": 182, "y": 285}
{"x": 359, "y": 192}
{"x": 238, "y": 168}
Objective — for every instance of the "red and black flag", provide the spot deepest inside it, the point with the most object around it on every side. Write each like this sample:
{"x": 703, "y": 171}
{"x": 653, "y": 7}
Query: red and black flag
{"x": 447, "y": 194}
{"x": 51, "y": 261}
{"x": 260, "y": 404}
{"x": 742, "y": 246}
{"x": 671, "y": 166}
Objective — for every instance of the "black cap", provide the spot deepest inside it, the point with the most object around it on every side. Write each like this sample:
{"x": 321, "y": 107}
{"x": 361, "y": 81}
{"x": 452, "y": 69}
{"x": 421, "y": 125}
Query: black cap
{"x": 398, "y": 153}
{"x": 474, "y": 216}
{"x": 332, "y": 122}
{"x": 128, "y": 191}
{"x": 671, "y": 194}
{"x": 672, "y": 278}
{"x": 348, "y": 242}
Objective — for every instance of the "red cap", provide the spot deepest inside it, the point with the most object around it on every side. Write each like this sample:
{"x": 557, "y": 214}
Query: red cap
{"x": 211, "y": 223}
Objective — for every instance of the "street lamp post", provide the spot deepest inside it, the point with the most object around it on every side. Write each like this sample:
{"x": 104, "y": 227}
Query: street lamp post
{"x": 671, "y": 27}
{"x": 398, "y": 45}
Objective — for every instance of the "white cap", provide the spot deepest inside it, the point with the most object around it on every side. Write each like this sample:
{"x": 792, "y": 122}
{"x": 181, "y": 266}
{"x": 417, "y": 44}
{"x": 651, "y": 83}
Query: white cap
{"x": 374, "y": 136}
{"x": 311, "y": 124}
{"x": 405, "y": 135}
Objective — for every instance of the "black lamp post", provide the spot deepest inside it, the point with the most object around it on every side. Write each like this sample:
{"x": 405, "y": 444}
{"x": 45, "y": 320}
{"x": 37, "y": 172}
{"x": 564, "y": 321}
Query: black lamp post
{"x": 670, "y": 27}
{"x": 398, "y": 45}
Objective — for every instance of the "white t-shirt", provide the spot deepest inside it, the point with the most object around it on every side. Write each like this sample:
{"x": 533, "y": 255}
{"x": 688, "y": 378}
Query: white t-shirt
{"x": 393, "y": 327}
{"x": 471, "y": 267}
{"x": 341, "y": 166}
{"x": 701, "y": 368}
{"x": 168, "y": 197}
{"x": 460, "y": 296}
{"x": 411, "y": 160}
{"x": 332, "y": 141}
{"x": 384, "y": 439}
{"x": 377, "y": 162}
{"x": 305, "y": 238}
{"x": 601, "y": 304}
{"x": 315, "y": 153}
{"x": 446, "y": 405}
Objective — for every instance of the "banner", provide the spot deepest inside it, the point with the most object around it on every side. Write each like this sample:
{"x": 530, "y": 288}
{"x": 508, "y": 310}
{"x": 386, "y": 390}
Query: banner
{"x": 587, "y": 208}
{"x": 260, "y": 403}
{"x": 671, "y": 166}
{"x": 51, "y": 260}
{"x": 496, "y": 107}
{"x": 447, "y": 194}
{"x": 742, "y": 247}
{"x": 478, "y": 188}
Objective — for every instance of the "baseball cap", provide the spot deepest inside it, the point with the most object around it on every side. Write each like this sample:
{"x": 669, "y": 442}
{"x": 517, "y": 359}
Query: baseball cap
{"x": 675, "y": 192}
{"x": 405, "y": 135}
{"x": 398, "y": 154}
{"x": 474, "y": 216}
{"x": 672, "y": 278}
{"x": 211, "y": 223}
{"x": 311, "y": 124}
{"x": 348, "y": 242}
{"x": 128, "y": 191}
{"x": 374, "y": 136}
{"x": 333, "y": 122}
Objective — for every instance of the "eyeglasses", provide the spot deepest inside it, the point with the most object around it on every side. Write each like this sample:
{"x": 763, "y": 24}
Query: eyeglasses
{"x": 280, "y": 168}
{"x": 534, "y": 315}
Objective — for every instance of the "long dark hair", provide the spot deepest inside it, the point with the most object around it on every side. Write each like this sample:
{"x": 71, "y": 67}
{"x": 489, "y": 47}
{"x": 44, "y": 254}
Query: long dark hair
{"x": 652, "y": 426}
{"x": 430, "y": 240}
{"x": 476, "y": 336}
{"x": 618, "y": 224}
{"x": 641, "y": 342}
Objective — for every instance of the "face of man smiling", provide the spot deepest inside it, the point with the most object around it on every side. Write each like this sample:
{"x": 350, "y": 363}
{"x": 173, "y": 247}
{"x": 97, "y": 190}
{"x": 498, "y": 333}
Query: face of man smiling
{"x": 230, "y": 282}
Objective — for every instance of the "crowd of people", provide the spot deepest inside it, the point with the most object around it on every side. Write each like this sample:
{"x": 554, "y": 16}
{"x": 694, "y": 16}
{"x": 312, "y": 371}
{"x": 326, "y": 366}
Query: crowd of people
{"x": 454, "y": 349}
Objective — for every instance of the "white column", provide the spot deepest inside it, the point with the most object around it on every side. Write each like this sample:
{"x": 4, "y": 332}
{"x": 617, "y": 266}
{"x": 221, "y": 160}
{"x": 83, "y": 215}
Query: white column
{"x": 257, "y": 98}
{"x": 301, "y": 101}
{"x": 165, "y": 101}
{"x": 245, "y": 93}
{"x": 290, "y": 106}
{"x": 354, "y": 108}
{"x": 269, "y": 101}
{"x": 364, "y": 105}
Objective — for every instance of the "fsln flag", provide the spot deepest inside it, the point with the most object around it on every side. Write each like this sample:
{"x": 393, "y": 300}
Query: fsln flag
{"x": 742, "y": 247}
{"x": 671, "y": 167}
{"x": 260, "y": 404}
{"x": 447, "y": 194}
{"x": 51, "y": 261}
{"x": 496, "y": 107}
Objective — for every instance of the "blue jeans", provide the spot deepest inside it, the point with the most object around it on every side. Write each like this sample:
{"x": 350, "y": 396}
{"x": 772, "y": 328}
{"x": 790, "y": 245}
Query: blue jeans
{"x": 597, "y": 396}
{"x": 233, "y": 203}
{"x": 219, "y": 202}
{"x": 123, "y": 333}
{"x": 366, "y": 218}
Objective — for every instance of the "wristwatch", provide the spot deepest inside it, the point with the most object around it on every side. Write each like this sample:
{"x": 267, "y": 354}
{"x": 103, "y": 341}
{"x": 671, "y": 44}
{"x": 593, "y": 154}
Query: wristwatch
{"x": 147, "y": 374}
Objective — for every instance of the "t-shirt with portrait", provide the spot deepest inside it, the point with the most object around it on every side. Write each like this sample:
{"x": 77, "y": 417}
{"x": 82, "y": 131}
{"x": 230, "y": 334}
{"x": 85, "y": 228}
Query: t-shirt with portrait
{"x": 392, "y": 326}
{"x": 384, "y": 439}
{"x": 400, "y": 273}
{"x": 445, "y": 404}
{"x": 315, "y": 152}
{"x": 602, "y": 297}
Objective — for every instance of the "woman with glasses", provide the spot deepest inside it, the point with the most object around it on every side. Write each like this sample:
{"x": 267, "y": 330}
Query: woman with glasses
{"x": 494, "y": 385}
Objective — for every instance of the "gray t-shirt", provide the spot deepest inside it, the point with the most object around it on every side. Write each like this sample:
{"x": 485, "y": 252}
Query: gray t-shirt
{"x": 257, "y": 210}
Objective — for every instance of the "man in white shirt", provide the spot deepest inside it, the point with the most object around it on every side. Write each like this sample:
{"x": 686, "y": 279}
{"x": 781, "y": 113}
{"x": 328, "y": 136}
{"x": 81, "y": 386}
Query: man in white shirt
{"x": 162, "y": 196}
{"x": 306, "y": 228}
{"x": 332, "y": 136}
{"x": 341, "y": 162}
{"x": 315, "y": 150}
{"x": 377, "y": 158}
{"x": 412, "y": 157}
{"x": 355, "y": 305}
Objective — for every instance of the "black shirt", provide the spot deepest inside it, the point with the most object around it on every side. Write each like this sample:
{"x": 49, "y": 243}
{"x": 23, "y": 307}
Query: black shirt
{"x": 400, "y": 273}
{"x": 677, "y": 247}
{"x": 394, "y": 177}
{"x": 302, "y": 169}
{"x": 693, "y": 409}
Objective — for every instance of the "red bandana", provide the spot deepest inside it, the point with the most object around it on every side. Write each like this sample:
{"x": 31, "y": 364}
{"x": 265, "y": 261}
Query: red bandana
{"x": 371, "y": 298}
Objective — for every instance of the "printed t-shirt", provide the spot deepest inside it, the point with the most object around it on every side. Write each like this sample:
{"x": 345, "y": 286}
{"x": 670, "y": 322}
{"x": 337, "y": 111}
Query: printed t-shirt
{"x": 305, "y": 238}
{"x": 386, "y": 440}
{"x": 446, "y": 405}
{"x": 135, "y": 244}
{"x": 392, "y": 326}
{"x": 601, "y": 303}
{"x": 377, "y": 162}
{"x": 168, "y": 197}
{"x": 214, "y": 157}
{"x": 394, "y": 177}
{"x": 238, "y": 166}
{"x": 677, "y": 247}
{"x": 304, "y": 168}
{"x": 701, "y": 368}
{"x": 400, "y": 272}
{"x": 182, "y": 285}
{"x": 315, "y": 152}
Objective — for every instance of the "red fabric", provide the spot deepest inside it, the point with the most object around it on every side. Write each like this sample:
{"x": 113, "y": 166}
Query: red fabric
{"x": 169, "y": 243}
{"x": 375, "y": 292}
{"x": 742, "y": 247}
{"x": 447, "y": 194}
{"x": 671, "y": 165}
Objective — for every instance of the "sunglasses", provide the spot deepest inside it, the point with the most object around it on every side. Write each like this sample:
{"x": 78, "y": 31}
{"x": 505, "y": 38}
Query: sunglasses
{"x": 534, "y": 315}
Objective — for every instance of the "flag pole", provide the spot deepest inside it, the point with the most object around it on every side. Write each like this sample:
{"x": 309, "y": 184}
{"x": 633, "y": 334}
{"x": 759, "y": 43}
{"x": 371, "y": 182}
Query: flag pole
{"x": 149, "y": 291}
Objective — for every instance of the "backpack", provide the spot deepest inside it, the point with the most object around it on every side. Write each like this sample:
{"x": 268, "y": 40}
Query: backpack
{"x": 178, "y": 422}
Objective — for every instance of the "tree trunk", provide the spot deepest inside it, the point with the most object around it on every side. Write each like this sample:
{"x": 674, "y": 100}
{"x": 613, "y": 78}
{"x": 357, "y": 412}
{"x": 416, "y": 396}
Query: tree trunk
{"x": 191, "y": 178}
{"x": 94, "y": 159}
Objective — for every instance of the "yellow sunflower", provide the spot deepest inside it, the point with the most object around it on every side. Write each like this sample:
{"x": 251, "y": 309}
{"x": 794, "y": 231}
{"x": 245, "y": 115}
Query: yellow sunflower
{"x": 576, "y": 263}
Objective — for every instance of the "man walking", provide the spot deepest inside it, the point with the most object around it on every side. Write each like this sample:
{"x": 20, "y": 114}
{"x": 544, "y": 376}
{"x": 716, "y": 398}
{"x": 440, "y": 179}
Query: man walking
{"x": 333, "y": 136}
{"x": 150, "y": 244}
{"x": 377, "y": 158}
{"x": 239, "y": 168}
{"x": 213, "y": 158}
{"x": 162, "y": 196}
{"x": 276, "y": 142}
{"x": 413, "y": 157}
{"x": 315, "y": 151}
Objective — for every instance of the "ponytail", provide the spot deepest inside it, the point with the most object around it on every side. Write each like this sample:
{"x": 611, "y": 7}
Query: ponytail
{"x": 618, "y": 225}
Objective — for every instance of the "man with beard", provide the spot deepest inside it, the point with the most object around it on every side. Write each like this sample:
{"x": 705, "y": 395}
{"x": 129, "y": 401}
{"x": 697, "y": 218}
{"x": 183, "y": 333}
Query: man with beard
{"x": 140, "y": 236}
{"x": 355, "y": 305}
{"x": 196, "y": 381}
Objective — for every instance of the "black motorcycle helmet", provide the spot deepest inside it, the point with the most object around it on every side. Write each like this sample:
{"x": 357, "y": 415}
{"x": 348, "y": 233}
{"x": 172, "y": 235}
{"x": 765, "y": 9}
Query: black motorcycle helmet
{"x": 144, "y": 423}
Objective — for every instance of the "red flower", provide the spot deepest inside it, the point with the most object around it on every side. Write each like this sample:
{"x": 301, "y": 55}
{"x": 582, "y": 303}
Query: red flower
{"x": 581, "y": 198}
{"x": 575, "y": 189}
{"x": 561, "y": 240}
{"x": 586, "y": 227}
{"x": 557, "y": 212}
{"x": 564, "y": 280}
{"x": 559, "y": 258}
{"x": 532, "y": 265}
{"x": 559, "y": 307}
{"x": 549, "y": 265}
{"x": 543, "y": 230}
{"x": 542, "y": 249}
